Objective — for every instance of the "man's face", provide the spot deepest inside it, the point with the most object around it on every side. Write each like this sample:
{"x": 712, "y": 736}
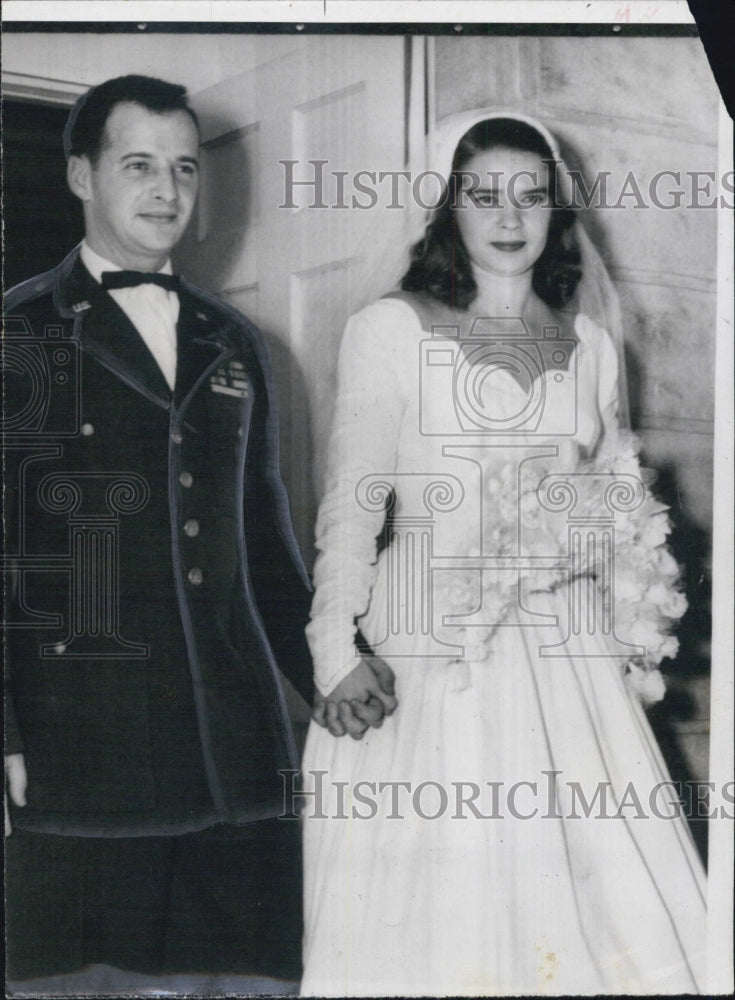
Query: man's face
{"x": 139, "y": 196}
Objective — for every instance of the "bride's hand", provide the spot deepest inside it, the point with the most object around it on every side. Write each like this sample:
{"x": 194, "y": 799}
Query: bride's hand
{"x": 360, "y": 700}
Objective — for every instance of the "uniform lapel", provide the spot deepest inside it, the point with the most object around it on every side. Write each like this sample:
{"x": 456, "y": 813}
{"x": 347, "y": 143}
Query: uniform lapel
{"x": 106, "y": 333}
{"x": 201, "y": 345}
{"x": 115, "y": 342}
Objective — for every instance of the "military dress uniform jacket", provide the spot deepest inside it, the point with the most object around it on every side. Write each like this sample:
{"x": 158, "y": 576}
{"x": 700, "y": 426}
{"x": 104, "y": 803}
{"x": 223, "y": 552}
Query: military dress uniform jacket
{"x": 155, "y": 578}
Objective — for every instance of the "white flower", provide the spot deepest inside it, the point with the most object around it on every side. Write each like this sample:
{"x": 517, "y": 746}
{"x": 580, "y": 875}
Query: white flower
{"x": 516, "y": 522}
{"x": 625, "y": 527}
{"x": 627, "y": 465}
{"x": 667, "y": 566}
{"x": 671, "y": 603}
{"x": 456, "y": 590}
{"x": 648, "y": 685}
{"x": 654, "y": 530}
{"x": 653, "y": 506}
{"x": 669, "y": 647}
{"x": 645, "y": 632}
{"x": 619, "y": 453}
{"x": 628, "y": 587}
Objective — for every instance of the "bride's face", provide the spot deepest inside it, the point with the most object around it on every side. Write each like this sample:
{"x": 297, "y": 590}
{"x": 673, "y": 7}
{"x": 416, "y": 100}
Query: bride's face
{"x": 504, "y": 221}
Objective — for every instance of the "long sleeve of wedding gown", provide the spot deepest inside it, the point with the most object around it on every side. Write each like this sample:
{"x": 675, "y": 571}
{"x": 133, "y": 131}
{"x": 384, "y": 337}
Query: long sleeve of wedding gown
{"x": 371, "y": 390}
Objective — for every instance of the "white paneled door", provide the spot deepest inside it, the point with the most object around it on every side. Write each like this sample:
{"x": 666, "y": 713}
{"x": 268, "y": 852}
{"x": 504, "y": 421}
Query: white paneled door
{"x": 301, "y": 158}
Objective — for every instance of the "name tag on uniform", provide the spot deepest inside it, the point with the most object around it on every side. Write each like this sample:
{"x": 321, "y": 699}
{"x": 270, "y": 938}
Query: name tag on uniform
{"x": 231, "y": 380}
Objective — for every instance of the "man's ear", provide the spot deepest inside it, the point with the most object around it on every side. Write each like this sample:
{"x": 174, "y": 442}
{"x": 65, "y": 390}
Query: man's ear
{"x": 79, "y": 176}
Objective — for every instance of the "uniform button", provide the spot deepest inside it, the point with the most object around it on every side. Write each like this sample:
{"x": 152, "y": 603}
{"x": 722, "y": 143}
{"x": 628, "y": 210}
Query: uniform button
{"x": 87, "y": 430}
{"x": 176, "y": 437}
{"x": 195, "y": 576}
{"x": 240, "y": 432}
{"x": 191, "y": 527}
{"x": 186, "y": 479}
{"x": 60, "y": 648}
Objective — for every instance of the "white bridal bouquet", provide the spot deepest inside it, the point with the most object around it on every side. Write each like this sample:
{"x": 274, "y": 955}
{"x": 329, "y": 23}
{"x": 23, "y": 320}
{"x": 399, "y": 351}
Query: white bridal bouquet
{"x": 543, "y": 529}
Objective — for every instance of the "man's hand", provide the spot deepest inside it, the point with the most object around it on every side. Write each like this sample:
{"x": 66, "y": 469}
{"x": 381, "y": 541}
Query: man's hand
{"x": 15, "y": 781}
{"x": 361, "y": 700}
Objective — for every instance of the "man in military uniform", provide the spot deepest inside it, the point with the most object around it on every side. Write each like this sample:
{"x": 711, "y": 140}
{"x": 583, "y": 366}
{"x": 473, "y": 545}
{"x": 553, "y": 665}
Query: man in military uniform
{"x": 157, "y": 587}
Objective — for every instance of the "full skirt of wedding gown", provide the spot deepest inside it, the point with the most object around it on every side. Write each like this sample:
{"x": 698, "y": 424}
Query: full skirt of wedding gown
{"x": 403, "y": 904}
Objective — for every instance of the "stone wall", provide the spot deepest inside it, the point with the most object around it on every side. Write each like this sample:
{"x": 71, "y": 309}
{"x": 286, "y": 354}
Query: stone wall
{"x": 636, "y": 106}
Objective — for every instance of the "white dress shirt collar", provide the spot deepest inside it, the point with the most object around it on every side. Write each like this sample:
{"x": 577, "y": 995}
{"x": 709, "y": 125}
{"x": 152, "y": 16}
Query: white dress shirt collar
{"x": 96, "y": 264}
{"x": 153, "y": 311}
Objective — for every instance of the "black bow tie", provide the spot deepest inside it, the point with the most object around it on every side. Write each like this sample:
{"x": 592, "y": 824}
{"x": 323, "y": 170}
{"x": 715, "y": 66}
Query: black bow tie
{"x": 131, "y": 279}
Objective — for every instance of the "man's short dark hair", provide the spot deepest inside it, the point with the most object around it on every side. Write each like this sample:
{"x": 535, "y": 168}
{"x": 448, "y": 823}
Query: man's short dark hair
{"x": 84, "y": 134}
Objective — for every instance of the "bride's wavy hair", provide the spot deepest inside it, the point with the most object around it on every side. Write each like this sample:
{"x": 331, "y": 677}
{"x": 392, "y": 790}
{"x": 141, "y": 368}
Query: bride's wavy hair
{"x": 440, "y": 264}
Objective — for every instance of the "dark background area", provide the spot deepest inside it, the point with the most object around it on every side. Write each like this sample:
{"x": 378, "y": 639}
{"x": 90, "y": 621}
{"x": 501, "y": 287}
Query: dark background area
{"x": 42, "y": 220}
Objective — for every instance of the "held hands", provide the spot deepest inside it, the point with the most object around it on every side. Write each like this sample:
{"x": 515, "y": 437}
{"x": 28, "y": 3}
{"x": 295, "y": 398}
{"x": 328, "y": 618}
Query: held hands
{"x": 15, "y": 782}
{"x": 362, "y": 699}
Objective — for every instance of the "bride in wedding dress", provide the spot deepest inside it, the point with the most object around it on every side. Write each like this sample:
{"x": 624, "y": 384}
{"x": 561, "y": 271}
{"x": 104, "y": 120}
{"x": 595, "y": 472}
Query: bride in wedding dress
{"x": 508, "y": 829}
